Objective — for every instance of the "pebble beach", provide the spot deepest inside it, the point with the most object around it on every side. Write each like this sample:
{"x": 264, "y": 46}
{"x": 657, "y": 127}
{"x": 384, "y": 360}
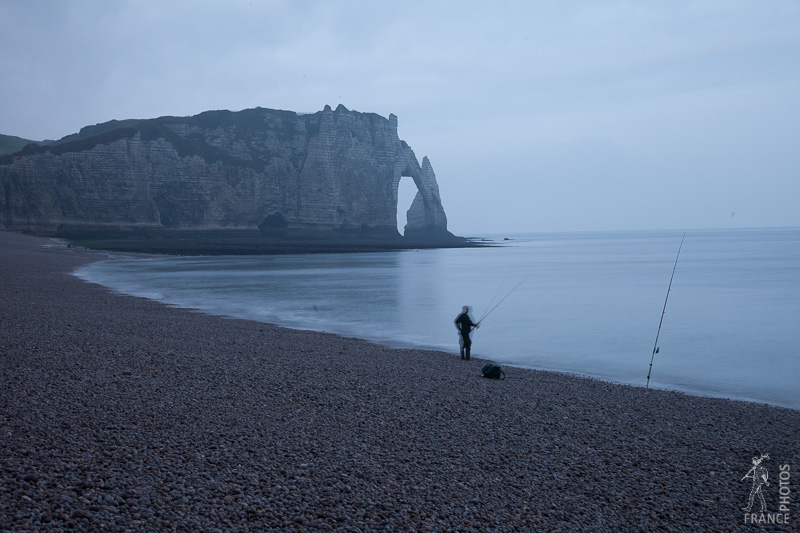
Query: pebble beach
{"x": 122, "y": 414}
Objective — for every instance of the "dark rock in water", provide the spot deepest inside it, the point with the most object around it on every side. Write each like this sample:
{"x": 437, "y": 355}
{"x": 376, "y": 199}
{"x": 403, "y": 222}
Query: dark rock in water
{"x": 333, "y": 172}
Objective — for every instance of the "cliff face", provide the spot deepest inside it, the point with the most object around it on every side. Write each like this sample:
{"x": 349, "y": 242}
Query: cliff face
{"x": 331, "y": 172}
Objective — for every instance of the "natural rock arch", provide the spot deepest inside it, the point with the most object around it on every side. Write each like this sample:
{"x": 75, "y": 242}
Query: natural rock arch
{"x": 425, "y": 218}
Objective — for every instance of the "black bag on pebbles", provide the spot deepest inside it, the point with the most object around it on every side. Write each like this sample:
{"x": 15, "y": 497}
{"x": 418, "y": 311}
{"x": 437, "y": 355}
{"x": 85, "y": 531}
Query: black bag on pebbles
{"x": 493, "y": 372}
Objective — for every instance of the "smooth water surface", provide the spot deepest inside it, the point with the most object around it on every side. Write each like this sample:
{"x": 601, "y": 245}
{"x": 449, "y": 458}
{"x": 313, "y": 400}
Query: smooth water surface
{"x": 585, "y": 303}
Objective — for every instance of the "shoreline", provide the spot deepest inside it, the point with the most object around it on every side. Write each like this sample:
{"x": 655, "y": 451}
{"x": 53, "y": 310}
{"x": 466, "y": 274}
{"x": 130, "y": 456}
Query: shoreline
{"x": 121, "y": 412}
{"x": 250, "y": 242}
{"x": 400, "y": 343}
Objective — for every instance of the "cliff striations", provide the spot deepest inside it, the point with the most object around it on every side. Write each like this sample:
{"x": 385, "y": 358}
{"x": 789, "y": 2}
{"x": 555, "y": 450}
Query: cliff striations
{"x": 334, "y": 172}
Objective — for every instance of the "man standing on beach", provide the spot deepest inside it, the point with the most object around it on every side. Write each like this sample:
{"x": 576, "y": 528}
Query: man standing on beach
{"x": 465, "y": 326}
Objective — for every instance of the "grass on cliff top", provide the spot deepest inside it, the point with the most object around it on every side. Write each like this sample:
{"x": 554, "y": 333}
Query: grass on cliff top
{"x": 10, "y": 144}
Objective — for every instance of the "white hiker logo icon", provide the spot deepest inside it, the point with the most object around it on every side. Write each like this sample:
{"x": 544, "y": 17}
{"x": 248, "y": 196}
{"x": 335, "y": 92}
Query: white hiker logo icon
{"x": 760, "y": 475}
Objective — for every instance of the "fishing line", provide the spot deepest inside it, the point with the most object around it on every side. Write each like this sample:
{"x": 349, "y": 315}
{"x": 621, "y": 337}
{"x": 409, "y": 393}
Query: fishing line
{"x": 503, "y": 299}
{"x": 494, "y": 296}
{"x": 655, "y": 346}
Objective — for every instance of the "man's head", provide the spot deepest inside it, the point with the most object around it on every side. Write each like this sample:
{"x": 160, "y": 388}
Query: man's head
{"x": 465, "y": 309}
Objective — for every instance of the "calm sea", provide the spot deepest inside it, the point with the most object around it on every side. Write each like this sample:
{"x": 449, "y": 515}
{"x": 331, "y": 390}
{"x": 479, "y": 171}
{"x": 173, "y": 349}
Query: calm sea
{"x": 584, "y": 303}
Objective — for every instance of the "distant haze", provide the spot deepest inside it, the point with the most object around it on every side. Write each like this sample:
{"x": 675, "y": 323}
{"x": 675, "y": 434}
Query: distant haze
{"x": 536, "y": 115}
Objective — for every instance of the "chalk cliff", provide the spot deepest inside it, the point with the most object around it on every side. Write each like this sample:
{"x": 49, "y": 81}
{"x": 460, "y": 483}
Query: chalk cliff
{"x": 333, "y": 172}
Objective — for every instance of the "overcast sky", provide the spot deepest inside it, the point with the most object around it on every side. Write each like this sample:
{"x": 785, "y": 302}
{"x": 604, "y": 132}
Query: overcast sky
{"x": 536, "y": 115}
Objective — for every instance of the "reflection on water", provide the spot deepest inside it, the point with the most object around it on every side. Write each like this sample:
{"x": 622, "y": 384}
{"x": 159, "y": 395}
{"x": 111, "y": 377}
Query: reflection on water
{"x": 583, "y": 303}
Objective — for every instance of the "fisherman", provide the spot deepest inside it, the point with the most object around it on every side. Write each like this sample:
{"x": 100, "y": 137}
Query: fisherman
{"x": 465, "y": 325}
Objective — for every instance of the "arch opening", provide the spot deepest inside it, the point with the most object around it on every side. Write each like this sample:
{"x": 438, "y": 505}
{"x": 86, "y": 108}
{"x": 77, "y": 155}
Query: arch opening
{"x": 406, "y": 191}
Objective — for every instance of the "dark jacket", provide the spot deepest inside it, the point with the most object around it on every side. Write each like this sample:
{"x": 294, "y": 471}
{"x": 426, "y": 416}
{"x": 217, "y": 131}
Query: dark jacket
{"x": 464, "y": 323}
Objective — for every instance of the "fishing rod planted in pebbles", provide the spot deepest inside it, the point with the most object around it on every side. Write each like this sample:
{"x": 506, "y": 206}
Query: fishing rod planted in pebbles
{"x": 655, "y": 346}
